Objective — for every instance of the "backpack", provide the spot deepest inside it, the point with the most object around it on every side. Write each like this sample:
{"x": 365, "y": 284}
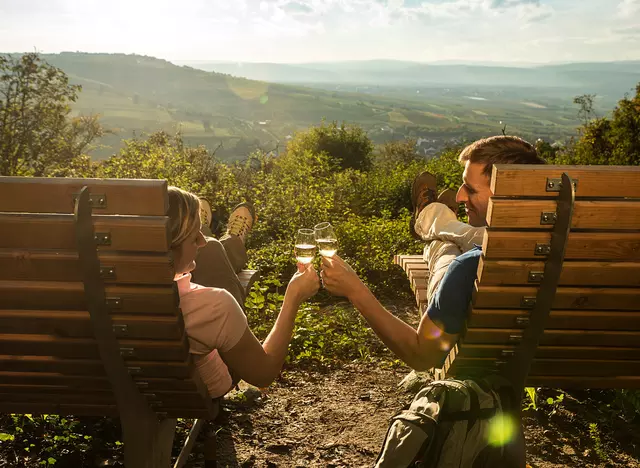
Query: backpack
{"x": 447, "y": 425}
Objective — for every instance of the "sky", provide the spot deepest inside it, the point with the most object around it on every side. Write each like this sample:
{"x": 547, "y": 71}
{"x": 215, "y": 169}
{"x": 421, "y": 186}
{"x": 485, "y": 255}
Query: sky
{"x": 293, "y": 31}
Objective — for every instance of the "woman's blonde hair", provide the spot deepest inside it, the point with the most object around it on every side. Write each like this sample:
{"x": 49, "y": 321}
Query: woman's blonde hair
{"x": 184, "y": 215}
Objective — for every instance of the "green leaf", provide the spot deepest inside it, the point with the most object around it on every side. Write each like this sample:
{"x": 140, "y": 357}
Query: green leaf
{"x": 51, "y": 461}
{"x": 4, "y": 436}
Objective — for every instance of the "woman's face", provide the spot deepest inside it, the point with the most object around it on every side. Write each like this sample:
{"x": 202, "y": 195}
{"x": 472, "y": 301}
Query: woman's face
{"x": 184, "y": 255}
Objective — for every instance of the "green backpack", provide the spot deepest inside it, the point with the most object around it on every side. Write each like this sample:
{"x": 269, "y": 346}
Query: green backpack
{"x": 450, "y": 424}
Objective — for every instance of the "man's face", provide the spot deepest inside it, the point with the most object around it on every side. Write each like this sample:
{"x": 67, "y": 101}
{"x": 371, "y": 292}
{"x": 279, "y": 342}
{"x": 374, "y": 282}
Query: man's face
{"x": 475, "y": 192}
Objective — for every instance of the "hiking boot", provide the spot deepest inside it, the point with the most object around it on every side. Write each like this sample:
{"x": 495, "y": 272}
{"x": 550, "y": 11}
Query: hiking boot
{"x": 206, "y": 216}
{"x": 423, "y": 192}
{"x": 241, "y": 220}
{"x": 448, "y": 197}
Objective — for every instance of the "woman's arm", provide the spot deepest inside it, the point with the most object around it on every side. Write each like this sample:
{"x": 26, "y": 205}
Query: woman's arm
{"x": 260, "y": 364}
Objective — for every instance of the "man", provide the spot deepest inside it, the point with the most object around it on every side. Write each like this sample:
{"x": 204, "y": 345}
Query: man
{"x": 446, "y": 313}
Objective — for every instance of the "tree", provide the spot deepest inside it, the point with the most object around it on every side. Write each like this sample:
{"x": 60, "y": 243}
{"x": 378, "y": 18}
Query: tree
{"x": 399, "y": 151}
{"x": 614, "y": 140}
{"x": 38, "y": 136}
{"x": 349, "y": 146}
{"x": 586, "y": 112}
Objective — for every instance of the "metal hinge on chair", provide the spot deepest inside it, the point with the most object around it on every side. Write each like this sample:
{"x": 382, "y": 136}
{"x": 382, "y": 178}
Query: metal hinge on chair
{"x": 548, "y": 218}
{"x": 528, "y": 302}
{"x": 108, "y": 272}
{"x": 102, "y": 238}
{"x": 114, "y": 302}
{"x": 120, "y": 329}
{"x": 554, "y": 185}
{"x": 535, "y": 276}
{"x": 96, "y": 200}
{"x": 542, "y": 249}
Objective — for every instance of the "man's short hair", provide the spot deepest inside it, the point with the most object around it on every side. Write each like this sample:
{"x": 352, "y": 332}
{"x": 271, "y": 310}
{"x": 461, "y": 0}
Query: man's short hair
{"x": 502, "y": 149}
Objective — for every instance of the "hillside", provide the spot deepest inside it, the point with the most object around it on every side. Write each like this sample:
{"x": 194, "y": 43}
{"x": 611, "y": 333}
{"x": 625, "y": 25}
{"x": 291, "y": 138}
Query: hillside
{"x": 136, "y": 94}
{"x": 608, "y": 78}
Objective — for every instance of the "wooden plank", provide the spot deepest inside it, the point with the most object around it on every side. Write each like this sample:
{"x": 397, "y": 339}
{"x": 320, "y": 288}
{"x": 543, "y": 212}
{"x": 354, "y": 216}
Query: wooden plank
{"x": 247, "y": 278}
{"x": 511, "y": 297}
{"x": 57, "y": 232}
{"x": 556, "y": 337}
{"x": 77, "y": 324}
{"x": 624, "y": 246}
{"x": 23, "y": 407}
{"x": 91, "y": 410}
{"x": 55, "y": 195}
{"x": 87, "y": 348}
{"x": 84, "y": 382}
{"x": 586, "y": 273}
{"x": 66, "y": 366}
{"x": 156, "y": 400}
{"x": 558, "y": 319}
{"x": 560, "y": 367}
{"x": 44, "y": 265}
{"x": 525, "y": 214}
{"x": 66, "y": 389}
{"x": 494, "y": 351}
{"x": 630, "y": 382}
{"x": 36, "y": 295}
{"x": 526, "y": 180}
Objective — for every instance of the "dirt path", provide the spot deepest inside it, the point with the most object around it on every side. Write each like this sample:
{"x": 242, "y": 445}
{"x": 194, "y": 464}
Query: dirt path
{"x": 339, "y": 418}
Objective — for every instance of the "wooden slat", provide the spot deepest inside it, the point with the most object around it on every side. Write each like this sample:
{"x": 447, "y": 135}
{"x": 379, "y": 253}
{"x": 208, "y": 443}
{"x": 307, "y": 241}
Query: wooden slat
{"x": 494, "y": 351}
{"x": 512, "y": 272}
{"x": 558, "y": 319}
{"x": 157, "y": 400}
{"x": 525, "y": 214}
{"x": 77, "y": 324}
{"x": 55, "y": 195}
{"x": 23, "y": 407}
{"x": 32, "y": 295}
{"x": 65, "y": 389}
{"x": 57, "y": 232}
{"x": 510, "y": 297}
{"x": 526, "y": 180}
{"x": 91, "y": 410}
{"x": 624, "y": 246}
{"x": 87, "y": 348}
{"x": 556, "y": 337}
{"x": 43, "y": 265}
{"x": 83, "y": 382}
{"x": 247, "y": 278}
{"x": 630, "y": 382}
{"x": 560, "y": 367}
{"x": 66, "y": 366}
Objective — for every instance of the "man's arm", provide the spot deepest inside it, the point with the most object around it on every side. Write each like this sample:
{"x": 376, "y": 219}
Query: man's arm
{"x": 421, "y": 349}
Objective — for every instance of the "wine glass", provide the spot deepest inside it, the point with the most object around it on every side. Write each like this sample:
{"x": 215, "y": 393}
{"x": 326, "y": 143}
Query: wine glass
{"x": 326, "y": 239}
{"x": 305, "y": 246}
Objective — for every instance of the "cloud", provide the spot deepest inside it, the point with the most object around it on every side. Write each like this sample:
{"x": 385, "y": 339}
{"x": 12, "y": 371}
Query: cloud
{"x": 513, "y": 3}
{"x": 297, "y": 7}
{"x": 628, "y": 7}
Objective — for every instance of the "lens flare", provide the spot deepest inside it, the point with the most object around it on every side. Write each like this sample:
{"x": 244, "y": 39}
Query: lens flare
{"x": 264, "y": 99}
{"x": 502, "y": 430}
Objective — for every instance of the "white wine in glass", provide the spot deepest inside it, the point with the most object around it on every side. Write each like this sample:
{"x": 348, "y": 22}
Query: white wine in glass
{"x": 305, "y": 246}
{"x": 326, "y": 239}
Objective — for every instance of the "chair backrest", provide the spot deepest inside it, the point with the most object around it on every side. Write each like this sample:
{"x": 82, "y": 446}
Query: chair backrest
{"x": 592, "y": 336}
{"x": 49, "y": 356}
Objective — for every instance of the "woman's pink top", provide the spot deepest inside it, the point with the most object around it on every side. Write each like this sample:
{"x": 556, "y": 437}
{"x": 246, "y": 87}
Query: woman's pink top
{"x": 214, "y": 322}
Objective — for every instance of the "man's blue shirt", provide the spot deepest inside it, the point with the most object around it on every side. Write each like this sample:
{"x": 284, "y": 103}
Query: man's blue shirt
{"x": 450, "y": 303}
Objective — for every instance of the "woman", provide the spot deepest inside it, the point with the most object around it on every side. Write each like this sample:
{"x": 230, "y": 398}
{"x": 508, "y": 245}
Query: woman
{"x": 219, "y": 336}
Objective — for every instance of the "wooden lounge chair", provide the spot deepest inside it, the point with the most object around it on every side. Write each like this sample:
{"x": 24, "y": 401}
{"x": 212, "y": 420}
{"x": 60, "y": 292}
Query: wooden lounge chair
{"x": 560, "y": 268}
{"x": 89, "y": 313}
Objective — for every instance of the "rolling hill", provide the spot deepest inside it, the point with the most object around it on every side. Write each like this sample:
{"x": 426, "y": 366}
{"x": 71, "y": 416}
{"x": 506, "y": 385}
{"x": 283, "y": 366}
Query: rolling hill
{"x": 136, "y": 94}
